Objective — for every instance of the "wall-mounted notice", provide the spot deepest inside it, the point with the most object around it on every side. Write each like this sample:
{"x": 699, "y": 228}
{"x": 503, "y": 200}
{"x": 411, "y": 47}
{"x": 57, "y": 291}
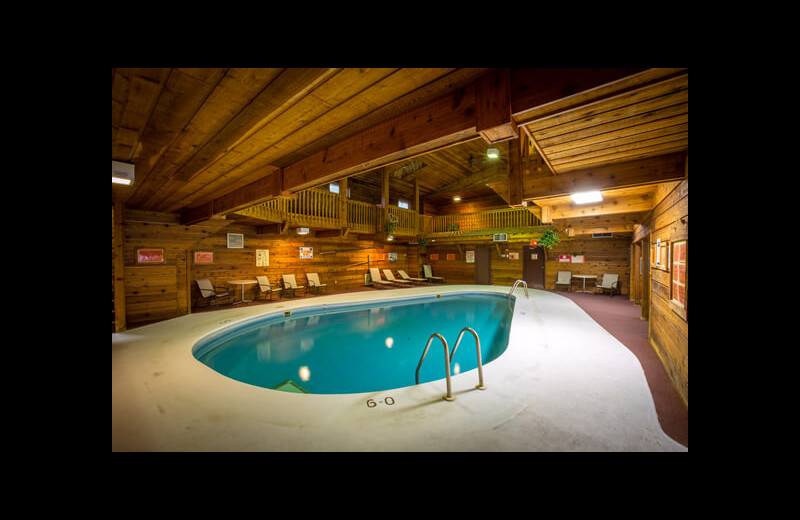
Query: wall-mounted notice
{"x": 513, "y": 256}
{"x": 451, "y": 256}
{"x": 393, "y": 257}
{"x": 262, "y": 257}
{"x": 434, "y": 256}
{"x": 564, "y": 258}
{"x": 470, "y": 256}
{"x": 306, "y": 252}
{"x": 577, "y": 259}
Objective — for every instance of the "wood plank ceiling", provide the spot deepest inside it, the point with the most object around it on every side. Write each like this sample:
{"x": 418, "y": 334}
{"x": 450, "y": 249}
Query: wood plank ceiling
{"x": 194, "y": 134}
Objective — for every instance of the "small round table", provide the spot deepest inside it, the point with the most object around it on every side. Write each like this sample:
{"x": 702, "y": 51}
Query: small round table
{"x": 584, "y": 276}
{"x": 242, "y": 283}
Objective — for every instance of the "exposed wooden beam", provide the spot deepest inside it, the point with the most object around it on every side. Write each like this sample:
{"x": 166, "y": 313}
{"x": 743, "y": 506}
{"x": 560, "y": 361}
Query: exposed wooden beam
{"x": 539, "y": 149}
{"x": 445, "y": 121}
{"x": 493, "y": 107}
{"x": 633, "y": 173}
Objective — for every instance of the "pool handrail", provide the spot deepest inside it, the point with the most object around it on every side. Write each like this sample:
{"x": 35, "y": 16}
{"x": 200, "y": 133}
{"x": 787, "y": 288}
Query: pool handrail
{"x": 449, "y": 396}
{"x": 480, "y": 385}
{"x": 524, "y": 284}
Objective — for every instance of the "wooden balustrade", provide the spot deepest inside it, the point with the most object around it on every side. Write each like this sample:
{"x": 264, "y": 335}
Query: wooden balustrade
{"x": 321, "y": 209}
{"x": 496, "y": 219}
{"x": 362, "y": 217}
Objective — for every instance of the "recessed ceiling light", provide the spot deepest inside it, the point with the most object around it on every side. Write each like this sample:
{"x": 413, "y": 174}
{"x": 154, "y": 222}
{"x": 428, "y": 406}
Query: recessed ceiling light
{"x": 586, "y": 197}
{"x": 493, "y": 153}
{"x": 457, "y": 198}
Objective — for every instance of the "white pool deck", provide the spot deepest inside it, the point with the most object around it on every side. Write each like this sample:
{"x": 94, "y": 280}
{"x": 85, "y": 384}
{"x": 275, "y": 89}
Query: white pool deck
{"x": 563, "y": 384}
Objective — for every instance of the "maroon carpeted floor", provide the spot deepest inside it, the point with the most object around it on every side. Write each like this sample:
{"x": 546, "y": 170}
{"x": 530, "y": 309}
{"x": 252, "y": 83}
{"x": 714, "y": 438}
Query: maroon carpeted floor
{"x": 621, "y": 318}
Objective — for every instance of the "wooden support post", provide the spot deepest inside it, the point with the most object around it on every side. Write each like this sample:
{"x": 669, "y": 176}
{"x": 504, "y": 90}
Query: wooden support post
{"x": 514, "y": 173}
{"x": 119, "y": 267}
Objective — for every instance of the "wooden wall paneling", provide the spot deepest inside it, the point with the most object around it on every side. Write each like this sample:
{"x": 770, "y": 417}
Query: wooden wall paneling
{"x": 669, "y": 326}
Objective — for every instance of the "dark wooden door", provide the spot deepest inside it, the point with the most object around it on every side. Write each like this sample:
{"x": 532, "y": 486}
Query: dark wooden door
{"x": 533, "y": 266}
{"x": 483, "y": 265}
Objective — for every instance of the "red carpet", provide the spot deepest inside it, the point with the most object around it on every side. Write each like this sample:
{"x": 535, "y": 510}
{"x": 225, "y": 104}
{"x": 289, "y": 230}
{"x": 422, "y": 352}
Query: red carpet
{"x": 621, "y": 318}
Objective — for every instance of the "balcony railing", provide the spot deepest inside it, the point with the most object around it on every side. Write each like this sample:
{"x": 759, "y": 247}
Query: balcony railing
{"x": 322, "y": 209}
{"x": 496, "y": 220}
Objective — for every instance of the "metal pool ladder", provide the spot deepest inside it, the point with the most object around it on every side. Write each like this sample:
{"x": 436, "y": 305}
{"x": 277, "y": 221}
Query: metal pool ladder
{"x": 524, "y": 284}
{"x": 448, "y": 358}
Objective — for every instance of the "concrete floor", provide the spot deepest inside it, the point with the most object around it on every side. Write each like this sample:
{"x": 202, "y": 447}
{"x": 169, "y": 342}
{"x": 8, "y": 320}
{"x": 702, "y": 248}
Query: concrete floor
{"x": 563, "y": 384}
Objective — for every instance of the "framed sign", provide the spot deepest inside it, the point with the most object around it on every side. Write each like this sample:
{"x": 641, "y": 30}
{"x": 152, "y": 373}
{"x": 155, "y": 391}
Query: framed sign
{"x": 235, "y": 241}
{"x": 306, "y": 252}
{"x": 451, "y": 256}
{"x": 434, "y": 256}
{"x": 513, "y": 255}
{"x": 470, "y": 256}
{"x": 577, "y": 259}
{"x": 262, "y": 257}
{"x": 393, "y": 257}
{"x": 147, "y": 256}
{"x": 565, "y": 258}
{"x": 203, "y": 257}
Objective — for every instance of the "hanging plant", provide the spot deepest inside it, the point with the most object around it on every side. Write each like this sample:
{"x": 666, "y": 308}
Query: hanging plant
{"x": 549, "y": 239}
{"x": 390, "y": 227}
{"x": 422, "y": 242}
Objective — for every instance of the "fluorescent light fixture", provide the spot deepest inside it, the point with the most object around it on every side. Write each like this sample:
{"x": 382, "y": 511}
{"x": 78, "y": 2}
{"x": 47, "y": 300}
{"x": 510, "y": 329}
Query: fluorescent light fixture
{"x": 302, "y": 231}
{"x": 457, "y": 198}
{"x": 391, "y": 237}
{"x": 493, "y": 153}
{"x": 122, "y": 173}
{"x": 586, "y": 197}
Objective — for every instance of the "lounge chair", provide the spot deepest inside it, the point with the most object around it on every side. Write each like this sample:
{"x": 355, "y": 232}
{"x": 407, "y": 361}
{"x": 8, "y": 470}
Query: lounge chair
{"x": 265, "y": 288}
{"x": 209, "y": 293}
{"x": 564, "y": 278}
{"x": 290, "y": 284}
{"x": 375, "y": 274}
{"x": 609, "y": 283}
{"x": 314, "y": 284}
{"x": 404, "y": 276}
{"x": 426, "y": 269}
{"x": 389, "y": 276}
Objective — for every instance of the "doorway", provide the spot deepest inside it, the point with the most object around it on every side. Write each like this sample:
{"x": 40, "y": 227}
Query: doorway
{"x": 483, "y": 265}
{"x": 533, "y": 266}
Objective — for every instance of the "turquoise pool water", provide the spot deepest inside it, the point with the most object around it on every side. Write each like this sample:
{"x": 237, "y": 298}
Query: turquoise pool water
{"x": 354, "y": 348}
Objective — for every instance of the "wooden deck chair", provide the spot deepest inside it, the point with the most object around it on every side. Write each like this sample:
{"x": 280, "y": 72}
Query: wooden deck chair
{"x": 389, "y": 276}
{"x": 404, "y": 276}
{"x": 564, "y": 278}
{"x": 375, "y": 274}
{"x": 265, "y": 288}
{"x": 290, "y": 284}
{"x": 314, "y": 284}
{"x": 209, "y": 293}
{"x": 609, "y": 283}
{"x": 429, "y": 274}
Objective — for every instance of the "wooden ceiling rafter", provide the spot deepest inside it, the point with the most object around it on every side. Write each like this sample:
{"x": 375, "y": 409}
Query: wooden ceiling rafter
{"x": 200, "y": 156}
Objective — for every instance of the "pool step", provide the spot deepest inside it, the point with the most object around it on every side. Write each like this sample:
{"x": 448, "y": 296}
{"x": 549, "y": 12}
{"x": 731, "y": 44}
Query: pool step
{"x": 290, "y": 386}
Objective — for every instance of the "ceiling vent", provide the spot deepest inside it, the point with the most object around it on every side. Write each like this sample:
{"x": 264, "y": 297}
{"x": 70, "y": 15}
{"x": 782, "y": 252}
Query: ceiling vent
{"x": 500, "y": 237}
{"x": 602, "y": 235}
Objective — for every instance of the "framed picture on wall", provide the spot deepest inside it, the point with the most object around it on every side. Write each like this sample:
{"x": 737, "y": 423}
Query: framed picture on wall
{"x": 150, "y": 255}
{"x": 262, "y": 257}
{"x": 235, "y": 241}
{"x": 203, "y": 257}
